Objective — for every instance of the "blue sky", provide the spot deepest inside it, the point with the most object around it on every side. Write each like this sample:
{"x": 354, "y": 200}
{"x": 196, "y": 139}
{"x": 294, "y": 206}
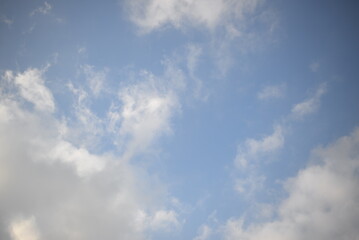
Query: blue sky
{"x": 179, "y": 119}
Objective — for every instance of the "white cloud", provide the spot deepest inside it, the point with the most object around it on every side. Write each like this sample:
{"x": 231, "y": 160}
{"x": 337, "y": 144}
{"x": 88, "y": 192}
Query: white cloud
{"x": 249, "y": 157}
{"x": 84, "y": 162}
{"x": 154, "y": 14}
{"x": 268, "y": 92}
{"x": 322, "y": 202}
{"x": 96, "y": 79}
{"x": 45, "y": 9}
{"x": 158, "y": 221}
{"x": 254, "y": 148}
{"x": 166, "y": 220}
{"x": 140, "y": 112}
{"x": 229, "y": 22}
{"x": 145, "y": 109}
{"x": 24, "y": 229}
{"x": 204, "y": 233}
{"x": 309, "y": 105}
{"x": 88, "y": 127}
{"x": 69, "y": 191}
{"x": 246, "y": 160}
{"x": 249, "y": 185}
{"x": 145, "y": 113}
{"x": 32, "y": 87}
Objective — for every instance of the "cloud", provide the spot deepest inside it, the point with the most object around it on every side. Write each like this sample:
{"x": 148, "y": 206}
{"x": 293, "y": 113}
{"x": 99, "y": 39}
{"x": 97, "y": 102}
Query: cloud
{"x": 229, "y": 22}
{"x": 6, "y": 20}
{"x": 249, "y": 157}
{"x": 24, "y": 229}
{"x": 194, "y": 53}
{"x": 84, "y": 162}
{"x": 270, "y": 92}
{"x": 144, "y": 110}
{"x": 96, "y": 79}
{"x": 145, "y": 113}
{"x": 249, "y": 185}
{"x": 45, "y": 9}
{"x": 81, "y": 50}
{"x": 88, "y": 126}
{"x": 322, "y": 200}
{"x": 162, "y": 220}
{"x": 53, "y": 188}
{"x": 150, "y": 15}
{"x": 204, "y": 233}
{"x": 248, "y": 153}
{"x": 309, "y": 105}
{"x": 253, "y": 148}
{"x": 31, "y": 85}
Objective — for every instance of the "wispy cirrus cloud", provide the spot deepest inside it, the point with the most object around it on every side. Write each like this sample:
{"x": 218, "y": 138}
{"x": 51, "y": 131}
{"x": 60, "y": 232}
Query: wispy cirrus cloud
{"x": 95, "y": 78}
{"x": 253, "y": 148}
{"x": 6, "y": 20}
{"x": 311, "y": 104}
{"x": 204, "y": 233}
{"x": 250, "y": 155}
{"x": 271, "y": 92}
{"x": 251, "y": 151}
{"x": 45, "y": 9}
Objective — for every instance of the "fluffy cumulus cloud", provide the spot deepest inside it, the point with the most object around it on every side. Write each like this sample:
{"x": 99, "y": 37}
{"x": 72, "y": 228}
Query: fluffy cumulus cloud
{"x": 322, "y": 200}
{"x": 150, "y": 15}
{"x": 54, "y": 188}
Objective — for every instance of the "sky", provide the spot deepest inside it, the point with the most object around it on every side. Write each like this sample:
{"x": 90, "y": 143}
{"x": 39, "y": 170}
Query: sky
{"x": 179, "y": 119}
